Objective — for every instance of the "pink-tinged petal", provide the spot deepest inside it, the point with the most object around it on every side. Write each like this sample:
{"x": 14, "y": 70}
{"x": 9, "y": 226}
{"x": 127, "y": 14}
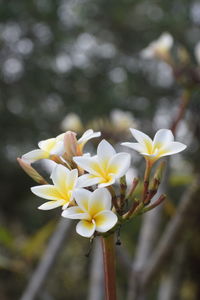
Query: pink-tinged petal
{"x": 89, "y": 164}
{"x": 47, "y": 191}
{"x": 82, "y": 198}
{"x": 87, "y": 180}
{"x": 162, "y": 137}
{"x": 85, "y": 228}
{"x": 105, "y": 220}
{"x": 35, "y": 155}
{"x": 105, "y": 152}
{"x": 100, "y": 200}
{"x": 51, "y": 205}
{"x": 75, "y": 213}
{"x": 119, "y": 164}
{"x": 172, "y": 148}
{"x": 135, "y": 146}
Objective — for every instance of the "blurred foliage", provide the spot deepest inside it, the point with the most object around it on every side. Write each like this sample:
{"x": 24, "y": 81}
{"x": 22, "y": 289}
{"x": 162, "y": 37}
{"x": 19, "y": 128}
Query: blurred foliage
{"x": 82, "y": 56}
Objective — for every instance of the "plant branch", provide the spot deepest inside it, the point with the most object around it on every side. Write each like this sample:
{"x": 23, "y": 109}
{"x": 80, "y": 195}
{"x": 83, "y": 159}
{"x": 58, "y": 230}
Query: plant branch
{"x": 171, "y": 234}
{"x": 39, "y": 276}
{"x": 108, "y": 247}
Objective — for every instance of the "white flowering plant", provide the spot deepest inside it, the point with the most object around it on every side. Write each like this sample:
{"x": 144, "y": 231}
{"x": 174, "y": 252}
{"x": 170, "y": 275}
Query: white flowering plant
{"x": 93, "y": 188}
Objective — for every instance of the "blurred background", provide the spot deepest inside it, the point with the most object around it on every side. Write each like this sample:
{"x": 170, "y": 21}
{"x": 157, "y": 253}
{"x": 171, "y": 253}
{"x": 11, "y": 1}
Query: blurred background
{"x": 77, "y": 64}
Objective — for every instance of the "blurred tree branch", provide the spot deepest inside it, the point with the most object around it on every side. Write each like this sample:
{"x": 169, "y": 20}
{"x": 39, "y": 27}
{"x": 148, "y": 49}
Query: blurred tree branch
{"x": 59, "y": 238}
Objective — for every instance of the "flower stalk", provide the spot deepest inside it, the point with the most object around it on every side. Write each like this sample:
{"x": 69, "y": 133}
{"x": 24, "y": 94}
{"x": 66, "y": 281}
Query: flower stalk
{"x": 108, "y": 247}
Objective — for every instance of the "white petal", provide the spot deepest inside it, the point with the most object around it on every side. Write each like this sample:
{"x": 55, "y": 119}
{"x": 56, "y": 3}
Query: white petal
{"x": 165, "y": 41}
{"x": 64, "y": 179}
{"x": 89, "y": 134}
{"x": 107, "y": 183}
{"x": 47, "y": 191}
{"x": 140, "y": 137}
{"x": 162, "y": 137}
{"x": 51, "y": 205}
{"x": 143, "y": 139}
{"x": 173, "y": 148}
{"x": 47, "y": 145}
{"x": 105, "y": 220}
{"x": 87, "y": 180}
{"x": 119, "y": 164}
{"x": 60, "y": 137}
{"x": 35, "y": 155}
{"x": 85, "y": 228}
{"x": 136, "y": 146}
{"x": 90, "y": 164}
{"x": 82, "y": 198}
{"x": 105, "y": 152}
{"x": 74, "y": 213}
{"x": 58, "y": 148}
{"x": 100, "y": 200}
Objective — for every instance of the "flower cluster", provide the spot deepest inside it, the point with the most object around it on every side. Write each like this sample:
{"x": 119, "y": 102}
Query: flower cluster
{"x": 84, "y": 185}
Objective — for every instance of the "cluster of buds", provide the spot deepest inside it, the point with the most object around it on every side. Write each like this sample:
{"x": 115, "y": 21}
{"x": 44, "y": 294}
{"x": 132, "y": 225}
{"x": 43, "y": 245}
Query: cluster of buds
{"x": 85, "y": 186}
{"x": 185, "y": 72}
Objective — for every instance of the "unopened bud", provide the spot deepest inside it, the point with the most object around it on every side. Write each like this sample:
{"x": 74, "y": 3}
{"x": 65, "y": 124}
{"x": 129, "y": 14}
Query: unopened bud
{"x": 31, "y": 171}
{"x": 70, "y": 145}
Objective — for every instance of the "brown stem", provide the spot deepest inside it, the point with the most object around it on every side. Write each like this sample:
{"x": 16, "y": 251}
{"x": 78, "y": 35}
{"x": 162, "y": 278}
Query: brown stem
{"x": 183, "y": 105}
{"x": 146, "y": 178}
{"x": 108, "y": 247}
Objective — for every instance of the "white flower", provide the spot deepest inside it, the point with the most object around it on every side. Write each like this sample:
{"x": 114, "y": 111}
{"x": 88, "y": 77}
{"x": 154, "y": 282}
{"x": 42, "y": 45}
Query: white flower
{"x": 61, "y": 192}
{"x": 52, "y": 146}
{"x": 72, "y": 122}
{"x": 105, "y": 167}
{"x": 197, "y": 52}
{"x": 122, "y": 119}
{"x": 58, "y": 146}
{"x": 88, "y": 135}
{"x": 159, "y": 47}
{"x": 94, "y": 211}
{"x": 162, "y": 145}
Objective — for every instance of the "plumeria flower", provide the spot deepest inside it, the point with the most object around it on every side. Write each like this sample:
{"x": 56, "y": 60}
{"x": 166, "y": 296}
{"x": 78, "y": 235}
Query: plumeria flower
{"x": 162, "y": 145}
{"x": 72, "y": 122}
{"x": 56, "y": 146}
{"x": 52, "y": 146}
{"x": 103, "y": 168}
{"x": 94, "y": 211}
{"x": 122, "y": 119}
{"x": 61, "y": 192}
{"x": 197, "y": 52}
{"x": 158, "y": 48}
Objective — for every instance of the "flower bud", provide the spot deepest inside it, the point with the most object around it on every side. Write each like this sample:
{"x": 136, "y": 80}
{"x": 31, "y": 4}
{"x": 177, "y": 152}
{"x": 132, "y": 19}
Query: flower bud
{"x": 70, "y": 145}
{"x": 31, "y": 171}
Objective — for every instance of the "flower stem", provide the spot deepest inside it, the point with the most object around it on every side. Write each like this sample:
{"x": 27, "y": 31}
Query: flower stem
{"x": 146, "y": 178}
{"x": 108, "y": 247}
